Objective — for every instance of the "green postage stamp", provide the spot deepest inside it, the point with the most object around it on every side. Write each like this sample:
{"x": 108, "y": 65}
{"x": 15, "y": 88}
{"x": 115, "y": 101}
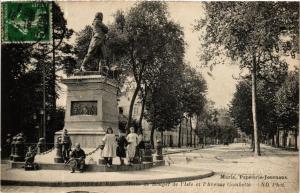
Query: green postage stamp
{"x": 26, "y": 21}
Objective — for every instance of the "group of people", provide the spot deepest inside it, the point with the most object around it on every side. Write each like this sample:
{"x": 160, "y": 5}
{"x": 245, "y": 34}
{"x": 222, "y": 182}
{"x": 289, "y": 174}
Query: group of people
{"x": 129, "y": 146}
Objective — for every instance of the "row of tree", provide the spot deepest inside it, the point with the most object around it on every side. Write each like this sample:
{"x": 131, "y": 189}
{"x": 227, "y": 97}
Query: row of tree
{"x": 253, "y": 35}
{"x": 277, "y": 107}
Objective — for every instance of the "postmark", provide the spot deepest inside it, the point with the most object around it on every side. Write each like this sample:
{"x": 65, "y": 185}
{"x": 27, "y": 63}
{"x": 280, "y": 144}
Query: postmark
{"x": 26, "y": 22}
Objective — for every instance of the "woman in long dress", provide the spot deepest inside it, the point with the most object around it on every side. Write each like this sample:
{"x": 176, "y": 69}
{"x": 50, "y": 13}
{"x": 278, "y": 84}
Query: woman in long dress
{"x": 110, "y": 147}
{"x": 132, "y": 139}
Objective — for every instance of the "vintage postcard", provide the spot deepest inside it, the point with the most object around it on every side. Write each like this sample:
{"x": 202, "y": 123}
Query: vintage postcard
{"x": 150, "y": 96}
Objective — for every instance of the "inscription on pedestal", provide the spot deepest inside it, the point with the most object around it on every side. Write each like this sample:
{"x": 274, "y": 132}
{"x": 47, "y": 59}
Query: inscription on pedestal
{"x": 83, "y": 108}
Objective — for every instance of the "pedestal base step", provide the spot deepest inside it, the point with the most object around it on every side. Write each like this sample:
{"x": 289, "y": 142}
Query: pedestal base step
{"x": 94, "y": 167}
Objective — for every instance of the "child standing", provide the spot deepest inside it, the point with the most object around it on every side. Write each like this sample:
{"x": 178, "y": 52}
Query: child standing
{"x": 110, "y": 146}
{"x": 66, "y": 145}
{"x": 122, "y": 143}
{"x": 140, "y": 146}
{"x": 132, "y": 139}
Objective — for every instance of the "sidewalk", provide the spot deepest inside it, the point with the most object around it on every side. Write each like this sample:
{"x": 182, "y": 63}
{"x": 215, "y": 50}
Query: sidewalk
{"x": 173, "y": 150}
{"x": 233, "y": 160}
{"x": 159, "y": 174}
{"x": 163, "y": 174}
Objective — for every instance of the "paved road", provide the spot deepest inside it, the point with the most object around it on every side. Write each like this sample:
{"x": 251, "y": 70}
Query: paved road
{"x": 236, "y": 171}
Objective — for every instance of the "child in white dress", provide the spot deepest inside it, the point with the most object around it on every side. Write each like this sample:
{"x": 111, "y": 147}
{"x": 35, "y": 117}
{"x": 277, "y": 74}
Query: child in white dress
{"x": 110, "y": 147}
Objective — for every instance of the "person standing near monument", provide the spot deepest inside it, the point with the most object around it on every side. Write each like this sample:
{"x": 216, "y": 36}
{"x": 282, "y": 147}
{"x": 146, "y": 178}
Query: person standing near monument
{"x": 97, "y": 44}
{"x": 122, "y": 143}
{"x": 141, "y": 145}
{"x": 66, "y": 145}
{"x": 110, "y": 147}
{"x": 132, "y": 139}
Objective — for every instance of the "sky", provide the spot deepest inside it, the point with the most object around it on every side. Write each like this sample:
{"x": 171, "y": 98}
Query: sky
{"x": 221, "y": 85}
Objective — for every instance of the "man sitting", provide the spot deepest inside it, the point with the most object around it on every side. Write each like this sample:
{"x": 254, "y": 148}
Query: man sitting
{"x": 29, "y": 160}
{"x": 77, "y": 159}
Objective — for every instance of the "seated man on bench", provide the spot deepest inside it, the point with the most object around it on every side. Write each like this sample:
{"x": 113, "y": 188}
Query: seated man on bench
{"x": 77, "y": 159}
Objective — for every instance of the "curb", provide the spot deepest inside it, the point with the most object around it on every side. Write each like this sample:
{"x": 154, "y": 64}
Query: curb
{"x": 184, "y": 151}
{"x": 104, "y": 183}
{"x": 94, "y": 167}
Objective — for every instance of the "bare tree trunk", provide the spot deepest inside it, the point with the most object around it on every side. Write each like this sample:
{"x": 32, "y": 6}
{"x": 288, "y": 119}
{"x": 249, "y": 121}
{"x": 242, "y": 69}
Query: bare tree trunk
{"x": 194, "y": 139}
{"x": 182, "y": 143}
{"x": 162, "y": 138}
{"x": 284, "y": 138}
{"x": 252, "y": 142}
{"x": 273, "y": 141}
{"x": 143, "y": 108}
{"x": 136, "y": 91}
{"x": 296, "y": 137}
{"x": 191, "y": 133}
{"x": 277, "y": 137}
{"x": 255, "y": 128}
{"x": 179, "y": 134}
{"x": 187, "y": 132}
{"x": 152, "y": 135}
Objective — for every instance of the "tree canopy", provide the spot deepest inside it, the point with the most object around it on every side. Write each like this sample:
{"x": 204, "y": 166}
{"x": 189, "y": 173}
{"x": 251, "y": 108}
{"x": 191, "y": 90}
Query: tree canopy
{"x": 22, "y": 82}
{"x": 252, "y": 34}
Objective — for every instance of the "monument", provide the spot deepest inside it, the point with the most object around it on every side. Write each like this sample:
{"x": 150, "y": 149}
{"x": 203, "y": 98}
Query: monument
{"x": 91, "y": 105}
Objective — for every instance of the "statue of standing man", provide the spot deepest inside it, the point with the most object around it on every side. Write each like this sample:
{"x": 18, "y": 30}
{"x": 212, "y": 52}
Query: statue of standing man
{"x": 97, "y": 48}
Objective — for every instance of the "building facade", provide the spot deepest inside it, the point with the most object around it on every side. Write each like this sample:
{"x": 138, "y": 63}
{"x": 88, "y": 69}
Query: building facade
{"x": 170, "y": 138}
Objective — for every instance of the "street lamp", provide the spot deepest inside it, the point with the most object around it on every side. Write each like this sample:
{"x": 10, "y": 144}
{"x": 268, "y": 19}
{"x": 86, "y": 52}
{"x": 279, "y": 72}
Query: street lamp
{"x": 41, "y": 127}
{"x": 34, "y": 116}
{"x": 43, "y": 123}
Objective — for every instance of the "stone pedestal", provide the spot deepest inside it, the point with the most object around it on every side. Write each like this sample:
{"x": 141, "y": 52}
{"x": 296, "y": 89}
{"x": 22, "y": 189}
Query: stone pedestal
{"x": 58, "y": 157}
{"x": 91, "y": 108}
{"x": 148, "y": 153}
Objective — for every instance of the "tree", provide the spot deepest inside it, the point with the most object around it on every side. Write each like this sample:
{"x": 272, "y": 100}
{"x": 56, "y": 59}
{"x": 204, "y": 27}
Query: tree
{"x": 13, "y": 60}
{"x": 148, "y": 29}
{"x": 240, "y": 107}
{"x": 22, "y": 75}
{"x": 193, "y": 95}
{"x": 287, "y": 103}
{"x": 161, "y": 92}
{"x": 251, "y": 34}
{"x": 162, "y": 103}
{"x": 267, "y": 116}
{"x": 48, "y": 59}
{"x": 205, "y": 120}
{"x": 162, "y": 109}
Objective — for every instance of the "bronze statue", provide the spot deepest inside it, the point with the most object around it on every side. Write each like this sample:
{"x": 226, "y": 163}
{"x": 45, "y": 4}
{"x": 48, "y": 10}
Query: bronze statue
{"x": 97, "y": 48}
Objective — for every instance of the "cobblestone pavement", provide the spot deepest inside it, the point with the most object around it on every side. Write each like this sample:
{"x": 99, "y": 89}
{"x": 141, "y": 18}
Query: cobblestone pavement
{"x": 237, "y": 170}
